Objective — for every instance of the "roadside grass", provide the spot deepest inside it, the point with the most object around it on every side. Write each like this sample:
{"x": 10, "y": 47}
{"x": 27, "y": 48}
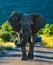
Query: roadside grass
{"x": 48, "y": 41}
{"x": 6, "y": 46}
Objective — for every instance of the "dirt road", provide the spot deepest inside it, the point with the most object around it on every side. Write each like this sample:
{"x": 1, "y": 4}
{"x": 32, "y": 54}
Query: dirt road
{"x": 42, "y": 56}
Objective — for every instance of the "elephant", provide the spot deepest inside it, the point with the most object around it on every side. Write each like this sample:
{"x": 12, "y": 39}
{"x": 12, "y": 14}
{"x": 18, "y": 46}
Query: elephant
{"x": 27, "y": 25}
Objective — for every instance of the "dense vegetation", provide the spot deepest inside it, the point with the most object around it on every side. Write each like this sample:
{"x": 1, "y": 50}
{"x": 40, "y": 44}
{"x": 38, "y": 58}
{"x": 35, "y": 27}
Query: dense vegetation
{"x": 7, "y": 33}
{"x": 8, "y": 36}
{"x": 47, "y": 30}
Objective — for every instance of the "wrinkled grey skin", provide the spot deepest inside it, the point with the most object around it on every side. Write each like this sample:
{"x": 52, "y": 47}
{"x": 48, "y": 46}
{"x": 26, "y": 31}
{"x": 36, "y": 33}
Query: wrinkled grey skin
{"x": 27, "y": 26}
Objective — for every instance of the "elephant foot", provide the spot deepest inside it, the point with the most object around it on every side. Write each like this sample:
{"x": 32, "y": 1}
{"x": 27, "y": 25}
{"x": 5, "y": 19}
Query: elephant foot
{"x": 30, "y": 57}
{"x": 24, "y": 58}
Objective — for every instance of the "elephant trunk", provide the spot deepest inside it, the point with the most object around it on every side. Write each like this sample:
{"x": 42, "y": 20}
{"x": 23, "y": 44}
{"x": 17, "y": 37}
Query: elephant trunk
{"x": 25, "y": 38}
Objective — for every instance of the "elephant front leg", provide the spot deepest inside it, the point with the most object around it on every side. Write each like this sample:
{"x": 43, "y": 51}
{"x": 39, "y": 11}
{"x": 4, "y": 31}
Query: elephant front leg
{"x": 24, "y": 55}
{"x": 31, "y": 48}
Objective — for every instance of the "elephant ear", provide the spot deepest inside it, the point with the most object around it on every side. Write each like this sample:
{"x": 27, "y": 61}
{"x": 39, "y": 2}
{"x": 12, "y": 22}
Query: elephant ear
{"x": 38, "y": 22}
{"x": 14, "y": 19}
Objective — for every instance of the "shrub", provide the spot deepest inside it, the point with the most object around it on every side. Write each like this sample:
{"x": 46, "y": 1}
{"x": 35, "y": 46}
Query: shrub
{"x": 13, "y": 36}
{"x": 40, "y": 31}
{"x": 1, "y": 40}
{"x": 48, "y": 30}
{"x": 51, "y": 29}
{"x": 5, "y": 35}
{"x": 6, "y": 26}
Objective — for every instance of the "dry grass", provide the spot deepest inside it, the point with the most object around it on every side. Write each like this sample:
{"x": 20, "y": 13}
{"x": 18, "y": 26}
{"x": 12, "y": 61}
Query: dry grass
{"x": 8, "y": 44}
{"x": 4, "y": 47}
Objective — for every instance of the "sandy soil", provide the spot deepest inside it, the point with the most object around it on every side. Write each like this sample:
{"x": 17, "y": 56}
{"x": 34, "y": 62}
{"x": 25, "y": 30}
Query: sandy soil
{"x": 17, "y": 61}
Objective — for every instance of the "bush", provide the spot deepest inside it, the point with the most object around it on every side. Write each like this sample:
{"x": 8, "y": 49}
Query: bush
{"x": 5, "y": 35}
{"x": 1, "y": 40}
{"x": 6, "y": 26}
{"x": 40, "y": 31}
{"x": 13, "y": 36}
{"x": 48, "y": 30}
{"x": 51, "y": 29}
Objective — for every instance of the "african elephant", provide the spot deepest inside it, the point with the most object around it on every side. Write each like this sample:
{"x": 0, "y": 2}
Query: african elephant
{"x": 27, "y": 25}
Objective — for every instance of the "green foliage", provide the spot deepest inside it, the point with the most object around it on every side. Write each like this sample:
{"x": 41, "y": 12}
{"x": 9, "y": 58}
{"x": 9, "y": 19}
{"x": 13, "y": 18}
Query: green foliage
{"x": 1, "y": 40}
{"x": 40, "y": 31}
{"x": 6, "y": 26}
{"x": 48, "y": 30}
{"x": 13, "y": 36}
{"x": 5, "y": 35}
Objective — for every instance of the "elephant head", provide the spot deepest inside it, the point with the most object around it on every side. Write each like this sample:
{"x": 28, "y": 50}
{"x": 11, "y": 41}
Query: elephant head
{"x": 27, "y": 25}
